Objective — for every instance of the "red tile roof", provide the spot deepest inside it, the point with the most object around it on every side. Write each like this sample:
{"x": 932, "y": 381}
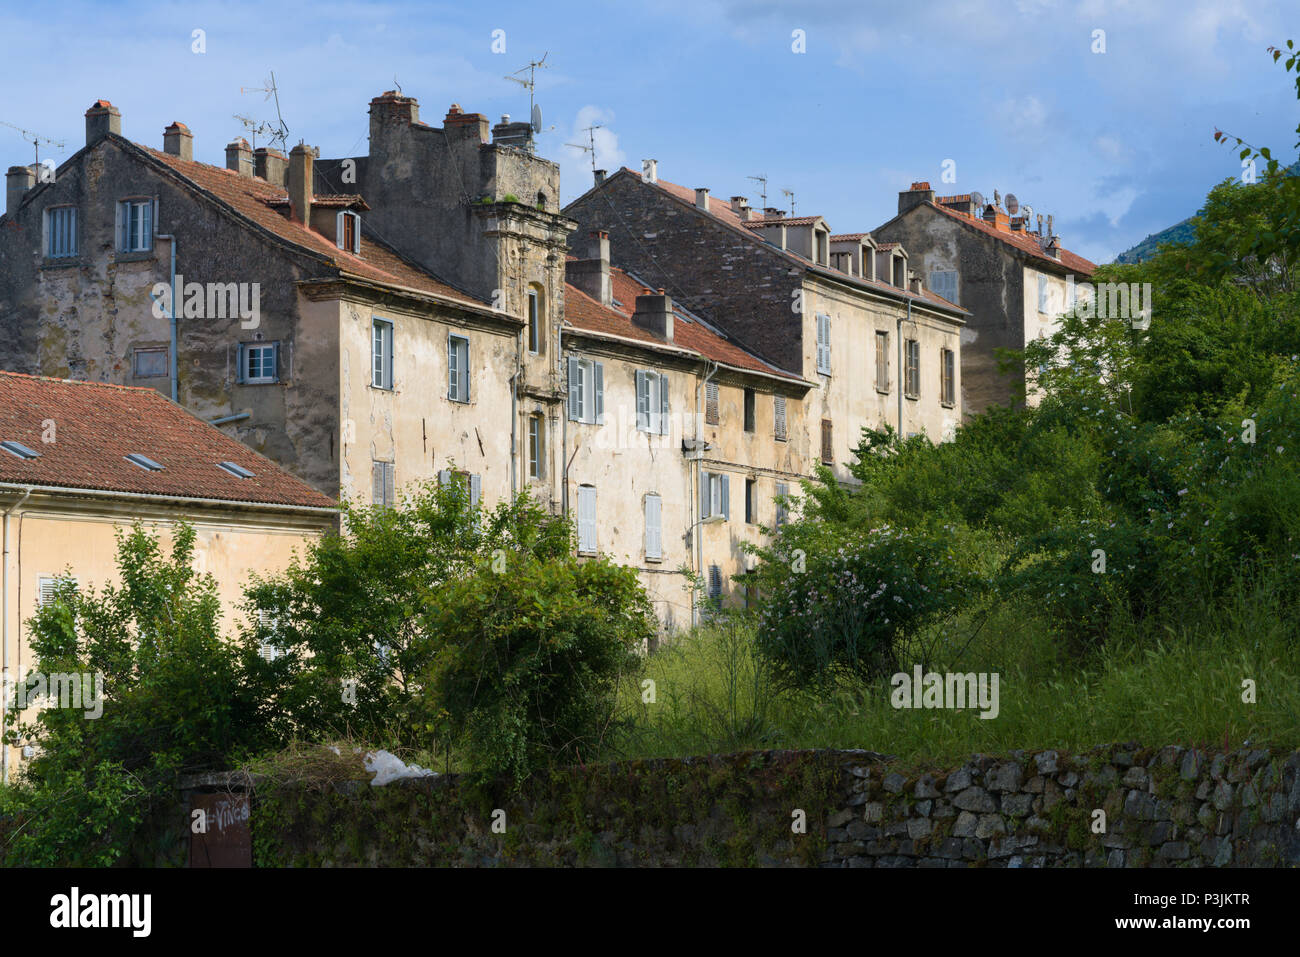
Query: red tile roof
{"x": 1025, "y": 242}
{"x": 253, "y": 198}
{"x": 783, "y": 221}
{"x": 849, "y": 237}
{"x": 584, "y": 312}
{"x": 340, "y": 200}
{"x": 96, "y": 425}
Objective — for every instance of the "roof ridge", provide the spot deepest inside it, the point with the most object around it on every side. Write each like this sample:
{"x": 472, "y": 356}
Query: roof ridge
{"x": 81, "y": 382}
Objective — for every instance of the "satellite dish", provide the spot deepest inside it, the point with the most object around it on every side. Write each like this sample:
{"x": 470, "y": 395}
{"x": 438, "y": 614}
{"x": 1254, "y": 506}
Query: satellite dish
{"x": 537, "y": 118}
{"x": 978, "y": 200}
{"x": 1027, "y": 212}
{"x": 1012, "y": 204}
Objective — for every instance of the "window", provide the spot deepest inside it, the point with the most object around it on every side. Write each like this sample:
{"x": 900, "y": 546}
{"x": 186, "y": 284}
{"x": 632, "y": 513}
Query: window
{"x": 383, "y": 476}
{"x": 586, "y": 519}
{"x": 586, "y": 391}
{"x": 457, "y": 368}
{"x": 947, "y": 374}
{"x": 711, "y": 403}
{"x": 235, "y": 469}
{"x": 823, "y": 343}
{"x": 143, "y": 461}
{"x": 820, "y": 244}
{"x": 467, "y": 484}
{"x": 651, "y": 402}
{"x": 715, "y": 587}
{"x": 751, "y": 502}
{"x": 882, "y": 361}
{"x": 749, "y": 411}
{"x": 535, "y": 426}
{"x": 268, "y": 623}
{"x": 1042, "y": 293}
{"x": 534, "y": 321}
{"x": 61, "y": 232}
{"x": 149, "y": 363}
{"x": 900, "y": 271}
{"x": 47, "y": 588}
{"x": 654, "y": 549}
{"x": 944, "y": 283}
{"x": 715, "y": 495}
{"x": 782, "y": 509}
{"x": 381, "y": 350}
{"x": 751, "y": 589}
{"x": 778, "y": 417}
{"x": 828, "y": 447}
{"x": 258, "y": 362}
{"x": 135, "y": 225}
{"x": 912, "y": 384}
{"x": 348, "y": 232}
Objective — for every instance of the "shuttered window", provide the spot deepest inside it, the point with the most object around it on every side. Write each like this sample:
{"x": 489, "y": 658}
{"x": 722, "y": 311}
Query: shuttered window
{"x": 381, "y": 354}
{"x": 751, "y": 501}
{"x": 457, "y": 368}
{"x": 651, "y": 402}
{"x": 912, "y": 384}
{"x": 823, "y": 343}
{"x": 715, "y": 495}
{"x": 782, "y": 511}
{"x": 586, "y": 391}
{"x": 778, "y": 416}
{"x": 653, "y": 528}
{"x": 48, "y": 586}
{"x": 61, "y": 232}
{"x": 535, "y": 436}
{"x": 1042, "y": 293}
{"x": 587, "y": 519}
{"x": 347, "y": 229}
{"x": 711, "y": 403}
{"x": 882, "y": 361}
{"x": 383, "y": 477}
{"x": 471, "y": 485}
{"x": 943, "y": 282}
{"x": 828, "y": 448}
{"x": 948, "y": 372}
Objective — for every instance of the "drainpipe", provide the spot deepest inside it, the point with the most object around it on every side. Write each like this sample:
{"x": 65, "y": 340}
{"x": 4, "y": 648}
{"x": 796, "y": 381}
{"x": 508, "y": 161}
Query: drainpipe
{"x": 514, "y": 417}
{"x": 4, "y": 633}
{"x": 223, "y": 420}
{"x": 695, "y": 492}
{"x": 171, "y": 315}
{"x": 902, "y": 372}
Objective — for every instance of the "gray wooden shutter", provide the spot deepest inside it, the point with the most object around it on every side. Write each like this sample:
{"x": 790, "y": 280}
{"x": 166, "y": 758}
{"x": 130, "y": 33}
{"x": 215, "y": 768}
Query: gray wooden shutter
{"x": 653, "y": 538}
{"x": 782, "y": 513}
{"x": 452, "y": 377}
{"x": 663, "y": 404}
{"x": 705, "y": 498}
{"x": 463, "y": 346}
{"x": 575, "y": 389}
{"x": 240, "y": 357}
{"x": 642, "y": 401}
{"x": 390, "y": 483}
{"x": 779, "y": 415}
{"x": 711, "y": 403}
{"x": 598, "y": 375}
{"x": 726, "y": 497}
{"x": 475, "y": 490}
{"x": 586, "y": 518}
{"x": 444, "y": 477}
{"x": 377, "y": 483}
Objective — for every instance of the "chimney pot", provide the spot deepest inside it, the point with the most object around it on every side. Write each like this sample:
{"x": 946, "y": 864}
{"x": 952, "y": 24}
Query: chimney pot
{"x": 702, "y": 197}
{"x": 655, "y": 314}
{"x": 239, "y": 156}
{"x": 178, "y": 141}
{"x": 301, "y": 182}
{"x": 773, "y": 212}
{"x": 919, "y": 193}
{"x": 18, "y": 181}
{"x": 101, "y": 119}
{"x": 591, "y": 272}
{"x": 738, "y": 203}
{"x": 270, "y": 165}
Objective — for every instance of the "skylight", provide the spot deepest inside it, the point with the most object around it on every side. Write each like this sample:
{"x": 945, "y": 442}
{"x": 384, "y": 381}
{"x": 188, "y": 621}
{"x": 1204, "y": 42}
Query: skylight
{"x": 20, "y": 450}
{"x": 146, "y": 463}
{"x": 235, "y": 469}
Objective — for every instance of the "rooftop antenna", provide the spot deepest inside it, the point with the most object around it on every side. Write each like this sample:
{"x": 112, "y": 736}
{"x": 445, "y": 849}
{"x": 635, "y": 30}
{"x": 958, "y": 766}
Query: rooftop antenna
{"x": 531, "y": 83}
{"x": 279, "y": 132}
{"x": 790, "y": 193}
{"x": 35, "y": 139}
{"x": 762, "y": 180}
{"x": 591, "y": 138}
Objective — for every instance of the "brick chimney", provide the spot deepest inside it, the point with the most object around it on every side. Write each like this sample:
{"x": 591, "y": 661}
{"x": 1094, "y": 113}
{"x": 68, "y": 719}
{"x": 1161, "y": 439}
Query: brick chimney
{"x": 590, "y": 272}
{"x": 270, "y": 165}
{"x": 301, "y": 182}
{"x": 465, "y": 125}
{"x": 702, "y": 198}
{"x": 918, "y": 194}
{"x": 392, "y": 107}
{"x": 179, "y": 141}
{"x": 239, "y": 156}
{"x": 101, "y": 119}
{"x": 18, "y": 181}
{"x": 654, "y": 313}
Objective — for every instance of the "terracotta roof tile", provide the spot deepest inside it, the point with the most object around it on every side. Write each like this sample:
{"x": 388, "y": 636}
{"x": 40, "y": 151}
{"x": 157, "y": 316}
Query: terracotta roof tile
{"x": 97, "y": 425}
{"x": 783, "y": 221}
{"x": 1025, "y": 242}
{"x": 849, "y": 237}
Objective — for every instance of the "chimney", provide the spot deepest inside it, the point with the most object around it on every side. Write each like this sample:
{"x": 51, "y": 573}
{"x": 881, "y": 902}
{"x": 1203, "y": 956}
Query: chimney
{"x": 18, "y": 181}
{"x": 739, "y": 203}
{"x": 101, "y": 119}
{"x": 654, "y": 313}
{"x": 239, "y": 156}
{"x": 178, "y": 141}
{"x": 650, "y": 171}
{"x": 506, "y": 133}
{"x": 702, "y": 197}
{"x": 301, "y": 182}
{"x": 472, "y": 126}
{"x": 1051, "y": 230}
{"x": 591, "y": 272}
{"x": 773, "y": 212}
{"x": 1054, "y": 247}
{"x": 270, "y": 165}
{"x": 990, "y": 214}
{"x": 600, "y": 176}
{"x": 1018, "y": 224}
{"x": 914, "y": 283}
{"x": 918, "y": 194}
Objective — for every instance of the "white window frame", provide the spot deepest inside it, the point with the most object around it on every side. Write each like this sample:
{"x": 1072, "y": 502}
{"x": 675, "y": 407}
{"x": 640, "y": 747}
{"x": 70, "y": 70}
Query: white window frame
{"x": 245, "y": 349}
{"x": 947, "y": 376}
{"x": 882, "y": 361}
{"x": 383, "y": 337}
{"x": 715, "y": 495}
{"x": 61, "y": 232}
{"x": 823, "y": 343}
{"x": 586, "y": 391}
{"x": 652, "y": 413}
{"x": 472, "y": 482}
{"x": 137, "y": 239}
{"x": 536, "y": 437}
{"x": 340, "y": 233}
{"x": 458, "y": 359}
{"x": 654, "y": 543}
{"x": 912, "y": 369}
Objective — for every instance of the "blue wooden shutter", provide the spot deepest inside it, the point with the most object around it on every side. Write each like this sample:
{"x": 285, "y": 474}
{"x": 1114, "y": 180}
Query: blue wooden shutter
{"x": 726, "y": 497}
{"x": 663, "y": 404}
{"x": 475, "y": 490}
{"x": 575, "y": 389}
{"x": 642, "y": 401}
{"x": 598, "y": 374}
{"x": 653, "y": 538}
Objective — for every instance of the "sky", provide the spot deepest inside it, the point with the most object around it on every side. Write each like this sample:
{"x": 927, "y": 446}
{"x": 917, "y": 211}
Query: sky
{"x": 843, "y": 104}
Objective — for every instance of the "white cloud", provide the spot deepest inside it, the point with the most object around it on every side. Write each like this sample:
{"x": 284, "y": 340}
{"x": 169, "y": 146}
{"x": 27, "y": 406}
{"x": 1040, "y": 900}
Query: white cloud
{"x": 576, "y": 162}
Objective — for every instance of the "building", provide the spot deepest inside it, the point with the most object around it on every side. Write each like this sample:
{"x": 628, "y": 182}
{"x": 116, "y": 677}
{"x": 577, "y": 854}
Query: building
{"x": 1015, "y": 281}
{"x": 835, "y": 310}
{"x": 80, "y": 462}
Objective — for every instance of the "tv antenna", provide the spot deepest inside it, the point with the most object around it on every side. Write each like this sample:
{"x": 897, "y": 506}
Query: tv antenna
{"x": 790, "y": 193}
{"x": 531, "y": 83}
{"x": 35, "y": 139}
{"x": 278, "y": 133}
{"x": 762, "y": 180}
{"x": 591, "y": 138}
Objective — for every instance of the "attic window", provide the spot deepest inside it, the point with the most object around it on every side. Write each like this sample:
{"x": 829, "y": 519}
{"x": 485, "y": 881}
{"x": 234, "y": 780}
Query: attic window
{"x": 238, "y": 471}
{"x": 146, "y": 463}
{"x": 20, "y": 450}
{"x": 348, "y": 232}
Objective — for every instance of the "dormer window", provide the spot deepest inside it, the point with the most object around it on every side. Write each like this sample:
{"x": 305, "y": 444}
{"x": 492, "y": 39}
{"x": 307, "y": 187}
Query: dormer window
{"x": 821, "y": 245}
{"x": 348, "y": 232}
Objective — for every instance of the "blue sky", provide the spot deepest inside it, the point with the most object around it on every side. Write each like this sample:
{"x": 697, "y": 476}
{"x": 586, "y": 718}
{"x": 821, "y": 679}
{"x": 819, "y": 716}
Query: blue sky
{"x": 1115, "y": 145}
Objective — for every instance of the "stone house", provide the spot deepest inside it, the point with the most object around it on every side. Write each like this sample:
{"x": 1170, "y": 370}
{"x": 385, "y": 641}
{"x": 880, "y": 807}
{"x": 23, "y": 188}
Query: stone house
{"x": 834, "y": 310}
{"x": 80, "y": 461}
{"x": 1014, "y": 280}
